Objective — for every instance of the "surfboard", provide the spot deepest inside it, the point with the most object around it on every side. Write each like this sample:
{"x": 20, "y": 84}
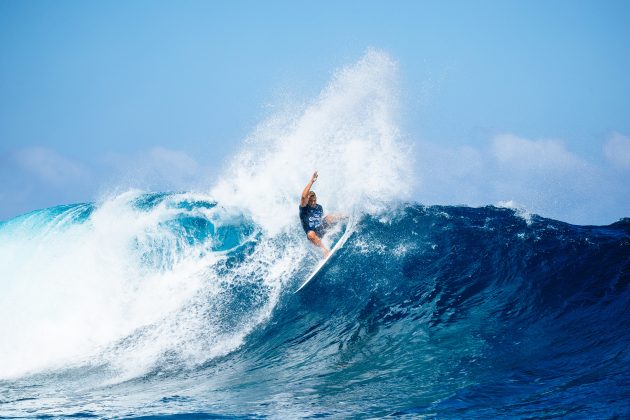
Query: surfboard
{"x": 346, "y": 234}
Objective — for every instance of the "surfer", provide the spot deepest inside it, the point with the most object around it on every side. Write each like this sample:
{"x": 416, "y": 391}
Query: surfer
{"x": 312, "y": 217}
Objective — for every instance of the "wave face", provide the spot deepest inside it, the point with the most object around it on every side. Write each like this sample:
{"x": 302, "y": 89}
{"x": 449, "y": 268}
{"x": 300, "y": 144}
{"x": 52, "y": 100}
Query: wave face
{"x": 176, "y": 305}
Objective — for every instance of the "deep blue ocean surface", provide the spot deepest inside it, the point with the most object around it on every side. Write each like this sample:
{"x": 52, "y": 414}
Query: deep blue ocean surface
{"x": 170, "y": 305}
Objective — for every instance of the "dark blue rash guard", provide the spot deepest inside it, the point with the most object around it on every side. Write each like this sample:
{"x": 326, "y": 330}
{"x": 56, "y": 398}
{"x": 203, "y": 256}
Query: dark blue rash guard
{"x": 312, "y": 218}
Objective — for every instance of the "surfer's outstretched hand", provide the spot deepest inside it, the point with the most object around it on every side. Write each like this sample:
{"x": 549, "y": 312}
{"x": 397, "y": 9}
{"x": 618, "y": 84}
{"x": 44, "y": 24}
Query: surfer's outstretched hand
{"x": 314, "y": 177}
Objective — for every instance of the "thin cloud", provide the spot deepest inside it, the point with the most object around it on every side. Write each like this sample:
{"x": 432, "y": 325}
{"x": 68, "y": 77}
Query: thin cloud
{"x": 158, "y": 168}
{"x": 50, "y": 167}
{"x": 617, "y": 150}
{"x": 547, "y": 155}
{"x": 541, "y": 175}
{"x": 38, "y": 177}
{"x": 173, "y": 163}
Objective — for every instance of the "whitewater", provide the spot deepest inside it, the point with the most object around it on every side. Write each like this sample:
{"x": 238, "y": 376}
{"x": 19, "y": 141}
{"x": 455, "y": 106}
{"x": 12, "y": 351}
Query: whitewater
{"x": 182, "y": 305}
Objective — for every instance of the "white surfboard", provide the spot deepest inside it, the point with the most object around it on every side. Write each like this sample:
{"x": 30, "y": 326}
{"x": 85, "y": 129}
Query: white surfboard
{"x": 349, "y": 230}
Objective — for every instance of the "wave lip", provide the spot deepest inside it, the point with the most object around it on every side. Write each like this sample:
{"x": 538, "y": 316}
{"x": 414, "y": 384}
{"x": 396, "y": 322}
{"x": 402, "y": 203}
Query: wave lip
{"x": 123, "y": 283}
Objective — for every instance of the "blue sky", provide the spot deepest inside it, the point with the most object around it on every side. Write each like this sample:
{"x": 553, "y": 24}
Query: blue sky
{"x": 104, "y": 95}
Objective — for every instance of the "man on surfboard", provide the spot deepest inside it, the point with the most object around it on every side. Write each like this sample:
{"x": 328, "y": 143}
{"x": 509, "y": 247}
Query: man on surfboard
{"x": 312, "y": 217}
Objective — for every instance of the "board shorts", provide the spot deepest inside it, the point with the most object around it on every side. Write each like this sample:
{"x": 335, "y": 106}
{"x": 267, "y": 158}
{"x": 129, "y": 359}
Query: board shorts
{"x": 321, "y": 229}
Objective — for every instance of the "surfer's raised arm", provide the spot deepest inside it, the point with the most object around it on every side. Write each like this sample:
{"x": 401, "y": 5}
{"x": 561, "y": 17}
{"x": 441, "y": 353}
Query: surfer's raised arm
{"x": 307, "y": 189}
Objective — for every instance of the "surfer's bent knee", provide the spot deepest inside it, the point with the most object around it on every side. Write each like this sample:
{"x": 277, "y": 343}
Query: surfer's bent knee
{"x": 314, "y": 237}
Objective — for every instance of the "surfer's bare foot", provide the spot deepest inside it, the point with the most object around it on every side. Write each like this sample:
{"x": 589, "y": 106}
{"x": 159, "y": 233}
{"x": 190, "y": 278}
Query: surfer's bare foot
{"x": 326, "y": 253}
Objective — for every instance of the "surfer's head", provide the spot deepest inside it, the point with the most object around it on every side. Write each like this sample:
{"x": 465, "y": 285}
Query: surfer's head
{"x": 312, "y": 199}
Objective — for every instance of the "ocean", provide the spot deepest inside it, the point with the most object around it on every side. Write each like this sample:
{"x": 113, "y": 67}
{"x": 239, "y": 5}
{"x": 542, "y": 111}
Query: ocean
{"x": 174, "y": 305}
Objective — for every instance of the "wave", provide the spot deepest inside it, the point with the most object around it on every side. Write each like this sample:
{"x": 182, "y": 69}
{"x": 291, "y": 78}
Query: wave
{"x": 453, "y": 311}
